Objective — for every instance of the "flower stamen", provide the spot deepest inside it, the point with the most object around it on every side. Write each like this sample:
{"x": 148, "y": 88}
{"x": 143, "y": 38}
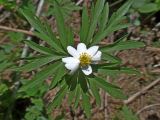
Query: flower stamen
{"x": 85, "y": 59}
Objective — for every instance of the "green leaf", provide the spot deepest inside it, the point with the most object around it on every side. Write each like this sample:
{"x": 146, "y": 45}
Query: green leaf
{"x": 8, "y": 47}
{"x": 119, "y": 27}
{"x": 118, "y": 15}
{"x": 117, "y": 70}
{"x": 86, "y": 104}
{"x": 94, "y": 19}
{"x": 101, "y": 35}
{"x": 3, "y": 88}
{"x": 70, "y": 37}
{"x": 113, "y": 23}
{"x": 40, "y": 77}
{"x": 77, "y": 97}
{"x": 123, "y": 45}
{"x": 138, "y": 3}
{"x": 34, "y": 64}
{"x": 33, "y": 19}
{"x": 110, "y": 58}
{"x": 104, "y": 18}
{"x": 58, "y": 98}
{"x": 39, "y": 48}
{"x": 128, "y": 114}
{"x": 9, "y": 5}
{"x": 92, "y": 9}
{"x": 51, "y": 42}
{"x": 148, "y": 7}
{"x": 130, "y": 71}
{"x": 85, "y": 25}
{"x": 4, "y": 65}
{"x": 60, "y": 25}
{"x": 83, "y": 82}
{"x": 95, "y": 92}
{"x": 44, "y": 30}
{"x": 71, "y": 95}
{"x": 53, "y": 38}
{"x": 2, "y": 56}
{"x": 111, "y": 89}
{"x": 38, "y": 103}
{"x": 16, "y": 37}
{"x": 58, "y": 76}
{"x": 72, "y": 81}
{"x": 67, "y": 7}
{"x": 108, "y": 65}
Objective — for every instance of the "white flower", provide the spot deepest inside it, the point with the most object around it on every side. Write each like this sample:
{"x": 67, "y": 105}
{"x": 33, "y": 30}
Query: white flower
{"x": 82, "y": 57}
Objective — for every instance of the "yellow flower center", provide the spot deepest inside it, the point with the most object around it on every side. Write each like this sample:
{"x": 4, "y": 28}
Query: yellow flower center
{"x": 85, "y": 59}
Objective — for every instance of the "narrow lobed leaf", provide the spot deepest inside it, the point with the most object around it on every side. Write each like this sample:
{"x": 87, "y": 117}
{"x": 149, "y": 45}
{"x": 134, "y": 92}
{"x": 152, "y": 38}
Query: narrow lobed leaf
{"x": 113, "y": 90}
{"x": 58, "y": 76}
{"x": 113, "y": 23}
{"x": 86, "y": 104}
{"x": 108, "y": 57}
{"x": 84, "y": 26}
{"x": 40, "y": 77}
{"x": 128, "y": 114}
{"x": 112, "y": 71}
{"x": 43, "y": 30}
{"x": 123, "y": 45}
{"x": 95, "y": 92}
{"x": 58, "y": 98}
{"x": 94, "y": 19}
{"x": 36, "y": 63}
{"x": 38, "y": 48}
{"x": 78, "y": 95}
{"x": 60, "y": 25}
{"x": 104, "y": 18}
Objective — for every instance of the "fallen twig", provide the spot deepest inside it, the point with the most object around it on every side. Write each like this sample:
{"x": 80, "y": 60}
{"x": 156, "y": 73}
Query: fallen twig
{"x": 147, "y": 107}
{"x": 3, "y": 39}
{"x": 115, "y": 3}
{"x": 153, "y": 49}
{"x": 17, "y": 30}
{"x": 141, "y": 92}
{"x": 79, "y": 2}
{"x": 4, "y": 16}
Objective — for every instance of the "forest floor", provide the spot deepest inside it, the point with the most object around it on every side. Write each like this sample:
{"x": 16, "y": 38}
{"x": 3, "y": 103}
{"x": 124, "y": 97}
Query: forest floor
{"x": 146, "y": 60}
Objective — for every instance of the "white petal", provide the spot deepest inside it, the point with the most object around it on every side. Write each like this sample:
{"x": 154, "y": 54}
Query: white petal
{"x": 97, "y": 56}
{"x": 92, "y": 50}
{"x": 72, "y": 67}
{"x": 68, "y": 59}
{"x": 87, "y": 70}
{"x": 72, "y": 51}
{"x": 81, "y": 48}
{"x": 71, "y": 64}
